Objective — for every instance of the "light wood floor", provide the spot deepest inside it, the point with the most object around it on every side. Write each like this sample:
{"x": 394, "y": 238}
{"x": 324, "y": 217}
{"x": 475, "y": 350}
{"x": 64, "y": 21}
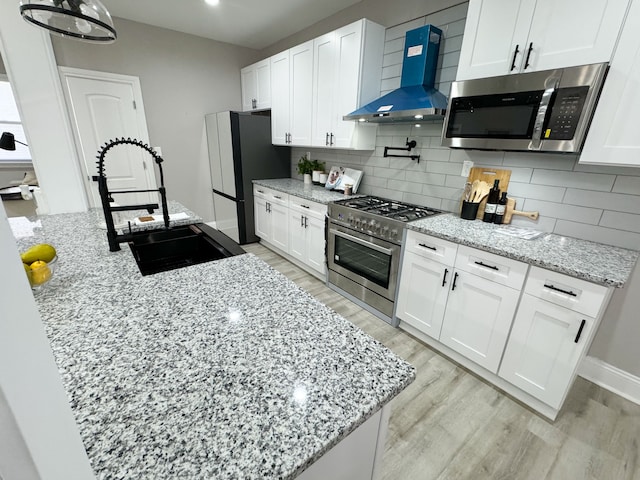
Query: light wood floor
{"x": 448, "y": 424}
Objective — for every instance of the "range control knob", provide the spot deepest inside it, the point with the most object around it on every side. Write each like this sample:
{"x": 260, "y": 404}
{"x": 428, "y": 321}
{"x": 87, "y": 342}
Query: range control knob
{"x": 394, "y": 234}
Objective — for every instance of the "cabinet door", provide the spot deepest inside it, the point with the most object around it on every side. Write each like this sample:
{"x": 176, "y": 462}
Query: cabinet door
{"x": 249, "y": 87}
{"x": 495, "y": 35}
{"x": 324, "y": 86}
{"x": 544, "y": 348}
{"x": 315, "y": 232}
{"x": 574, "y": 32}
{"x": 280, "y": 98}
{"x": 297, "y": 235}
{"x": 280, "y": 226}
{"x": 422, "y": 295}
{"x": 263, "y": 84}
{"x": 348, "y": 61}
{"x": 613, "y": 136}
{"x": 478, "y": 318}
{"x": 301, "y": 86}
{"x": 262, "y": 218}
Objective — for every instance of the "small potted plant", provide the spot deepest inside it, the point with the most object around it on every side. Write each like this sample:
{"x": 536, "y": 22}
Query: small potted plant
{"x": 317, "y": 169}
{"x": 305, "y": 168}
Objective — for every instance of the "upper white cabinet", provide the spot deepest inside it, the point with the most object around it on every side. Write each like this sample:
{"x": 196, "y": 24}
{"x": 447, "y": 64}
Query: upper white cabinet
{"x": 256, "y": 86}
{"x": 291, "y": 91}
{"x": 347, "y": 71}
{"x": 613, "y": 136}
{"x": 517, "y": 36}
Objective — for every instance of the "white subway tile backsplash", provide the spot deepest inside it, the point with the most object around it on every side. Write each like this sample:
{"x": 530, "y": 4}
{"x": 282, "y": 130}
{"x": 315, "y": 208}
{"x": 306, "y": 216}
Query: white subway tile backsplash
{"x": 587, "y": 181}
{"x": 429, "y": 178}
{"x": 539, "y": 160}
{"x": 390, "y": 173}
{"x": 394, "y": 58}
{"x": 455, "y": 28}
{"x": 407, "y": 187}
{"x": 618, "y": 202}
{"x": 440, "y": 155}
{"x": 540, "y": 192}
{"x": 542, "y": 224}
{"x": 445, "y": 193}
{"x": 451, "y": 44}
{"x": 448, "y": 15}
{"x": 392, "y": 46}
{"x": 621, "y": 221}
{"x": 563, "y": 211}
{"x": 423, "y": 200}
{"x": 630, "y": 185}
{"x": 400, "y": 30}
{"x": 446, "y": 168}
{"x": 454, "y": 182}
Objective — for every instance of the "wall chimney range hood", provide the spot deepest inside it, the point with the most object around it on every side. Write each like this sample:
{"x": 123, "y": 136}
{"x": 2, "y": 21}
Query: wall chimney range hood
{"x": 416, "y": 99}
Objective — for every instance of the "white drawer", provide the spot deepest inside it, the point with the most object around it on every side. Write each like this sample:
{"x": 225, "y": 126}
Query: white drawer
{"x": 302, "y": 205}
{"x": 260, "y": 191}
{"x": 434, "y": 248}
{"x": 278, "y": 197}
{"x": 502, "y": 270}
{"x": 573, "y": 293}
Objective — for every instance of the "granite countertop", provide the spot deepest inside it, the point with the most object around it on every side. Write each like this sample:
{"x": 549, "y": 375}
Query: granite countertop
{"x": 591, "y": 261}
{"x": 315, "y": 193}
{"x": 224, "y": 369}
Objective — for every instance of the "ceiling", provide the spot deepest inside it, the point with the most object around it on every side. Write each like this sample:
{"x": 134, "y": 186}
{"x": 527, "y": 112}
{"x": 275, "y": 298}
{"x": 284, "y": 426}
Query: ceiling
{"x": 250, "y": 23}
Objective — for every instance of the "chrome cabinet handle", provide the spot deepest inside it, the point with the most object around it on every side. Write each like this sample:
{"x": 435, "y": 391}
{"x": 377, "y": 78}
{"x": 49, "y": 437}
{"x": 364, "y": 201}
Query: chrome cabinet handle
{"x": 515, "y": 54}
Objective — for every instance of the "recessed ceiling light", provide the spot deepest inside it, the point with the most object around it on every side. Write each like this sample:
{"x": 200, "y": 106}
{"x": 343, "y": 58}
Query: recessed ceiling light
{"x": 212, "y": 2}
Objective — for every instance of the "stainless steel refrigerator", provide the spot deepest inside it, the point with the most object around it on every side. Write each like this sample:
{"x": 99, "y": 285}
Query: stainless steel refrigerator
{"x": 240, "y": 151}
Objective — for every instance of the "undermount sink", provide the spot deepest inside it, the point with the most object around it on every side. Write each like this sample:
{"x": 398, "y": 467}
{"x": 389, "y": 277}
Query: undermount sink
{"x": 161, "y": 250}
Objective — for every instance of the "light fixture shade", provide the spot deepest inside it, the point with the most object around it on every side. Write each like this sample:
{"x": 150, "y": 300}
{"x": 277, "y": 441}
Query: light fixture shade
{"x": 86, "y": 20}
{"x": 7, "y": 141}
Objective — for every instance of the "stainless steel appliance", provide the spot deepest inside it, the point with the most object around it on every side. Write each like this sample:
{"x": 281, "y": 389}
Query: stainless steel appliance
{"x": 546, "y": 111}
{"x": 240, "y": 151}
{"x": 364, "y": 238}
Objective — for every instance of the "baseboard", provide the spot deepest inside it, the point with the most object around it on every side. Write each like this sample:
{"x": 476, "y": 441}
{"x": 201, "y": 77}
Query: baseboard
{"x": 612, "y": 378}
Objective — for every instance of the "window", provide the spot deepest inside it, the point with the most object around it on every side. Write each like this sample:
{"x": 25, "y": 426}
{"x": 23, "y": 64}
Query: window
{"x": 10, "y": 122}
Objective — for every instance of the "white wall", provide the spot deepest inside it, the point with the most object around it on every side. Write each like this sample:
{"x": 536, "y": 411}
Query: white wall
{"x": 36, "y": 421}
{"x": 183, "y": 78}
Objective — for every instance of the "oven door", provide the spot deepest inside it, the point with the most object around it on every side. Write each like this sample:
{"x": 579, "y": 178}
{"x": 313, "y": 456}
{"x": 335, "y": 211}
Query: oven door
{"x": 368, "y": 261}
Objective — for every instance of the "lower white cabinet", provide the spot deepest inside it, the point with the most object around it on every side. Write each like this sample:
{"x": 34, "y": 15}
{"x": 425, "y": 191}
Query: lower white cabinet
{"x": 295, "y": 226}
{"x": 272, "y": 216}
{"x": 525, "y": 329}
{"x": 306, "y": 232}
{"x": 478, "y": 317}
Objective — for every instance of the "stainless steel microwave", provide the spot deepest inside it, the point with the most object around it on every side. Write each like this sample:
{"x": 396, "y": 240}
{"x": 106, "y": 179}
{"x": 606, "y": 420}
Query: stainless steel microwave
{"x": 545, "y": 111}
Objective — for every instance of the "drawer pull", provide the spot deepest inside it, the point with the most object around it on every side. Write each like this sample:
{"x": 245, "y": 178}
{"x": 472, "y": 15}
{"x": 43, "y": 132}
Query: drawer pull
{"x": 492, "y": 267}
{"x": 444, "y": 278}
{"x": 427, "y": 246}
{"x": 580, "y": 330}
{"x": 304, "y": 206}
{"x": 566, "y": 292}
{"x": 276, "y": 196}
{"x": 260, "y": 191}
{"x": 455, "y": 278}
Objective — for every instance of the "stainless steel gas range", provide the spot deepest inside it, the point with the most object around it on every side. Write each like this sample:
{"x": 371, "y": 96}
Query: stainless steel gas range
{"x": 364, "y": 239}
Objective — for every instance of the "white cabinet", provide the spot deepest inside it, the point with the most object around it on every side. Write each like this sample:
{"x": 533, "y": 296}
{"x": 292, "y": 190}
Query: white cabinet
{"x": 484, "y": 294}
{"x": 291, "y": 91}
{"x": 307, "y": 232}
{"x": 427, "y": 269}
{"x": 463, "y": 297}
{"x": 256, "y": 86}
{"x": 347, "y": 71}
{"x": 515, "y": 36}
{"x": 613, "y": 136}
{"x": 271, "y": 216}
{"x": 552, "y": 330}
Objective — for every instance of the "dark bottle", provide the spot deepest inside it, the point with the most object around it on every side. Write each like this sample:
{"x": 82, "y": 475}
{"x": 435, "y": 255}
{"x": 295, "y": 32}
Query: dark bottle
{"x": 501, "y": 208}
{"x": 492, "y": 202}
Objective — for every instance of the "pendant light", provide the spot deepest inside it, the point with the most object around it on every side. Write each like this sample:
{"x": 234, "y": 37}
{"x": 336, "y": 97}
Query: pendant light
{"x": 86, "y": 20}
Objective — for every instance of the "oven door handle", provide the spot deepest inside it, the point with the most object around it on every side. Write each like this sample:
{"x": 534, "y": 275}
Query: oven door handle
{"x": 364, "y": 243}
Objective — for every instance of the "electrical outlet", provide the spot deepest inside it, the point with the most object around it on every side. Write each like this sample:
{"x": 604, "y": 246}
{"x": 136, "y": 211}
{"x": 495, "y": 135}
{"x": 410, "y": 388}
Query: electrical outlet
{"x": 466, "y": 168}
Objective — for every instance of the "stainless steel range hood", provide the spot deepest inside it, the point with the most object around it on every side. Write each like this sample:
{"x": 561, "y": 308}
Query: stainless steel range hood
{"x": 416, "y": 99}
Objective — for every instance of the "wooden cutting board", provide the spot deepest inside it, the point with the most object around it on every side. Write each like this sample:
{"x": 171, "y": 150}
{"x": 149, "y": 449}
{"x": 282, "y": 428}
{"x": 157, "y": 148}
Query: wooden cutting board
{"x": 510, "y": 211}
{"x": 489, "y": 175}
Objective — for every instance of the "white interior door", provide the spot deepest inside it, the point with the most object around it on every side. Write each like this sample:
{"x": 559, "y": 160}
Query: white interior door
{"x": 104, "y": 107}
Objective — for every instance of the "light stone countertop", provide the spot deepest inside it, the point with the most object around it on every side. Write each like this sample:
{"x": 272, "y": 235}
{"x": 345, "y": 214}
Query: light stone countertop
{"x": 220, "y": 370}
{"x": 315, "y": 193}
{"x": 591, "y": 261}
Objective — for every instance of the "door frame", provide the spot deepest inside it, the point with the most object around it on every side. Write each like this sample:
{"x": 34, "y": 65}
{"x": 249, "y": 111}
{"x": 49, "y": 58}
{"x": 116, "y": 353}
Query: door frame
{"x": 134, "y": 82}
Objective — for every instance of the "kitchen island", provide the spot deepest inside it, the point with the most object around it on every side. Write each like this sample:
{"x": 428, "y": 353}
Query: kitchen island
{"x": 224, "y": 369}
